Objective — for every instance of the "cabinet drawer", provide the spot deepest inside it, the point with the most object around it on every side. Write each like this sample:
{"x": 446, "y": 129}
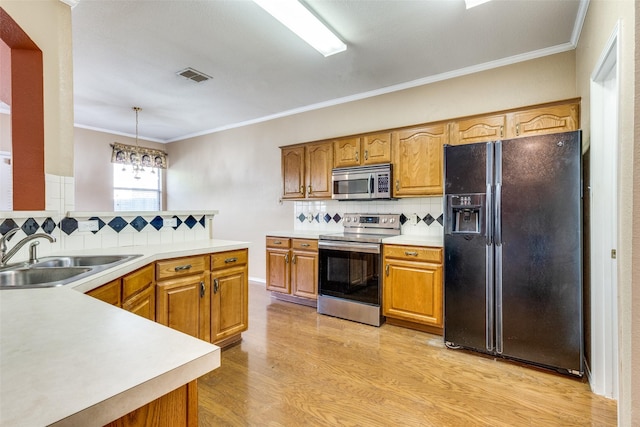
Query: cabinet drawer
{"x": 278, "y": 242}
{"x": 136, "y": 281}
{"x": 417, "y": 253}
{"x": 181, "y": 266}
{"x": 109, "y": 293}
{"x": 228, "y": 259}
{"x": 305, "y": 244}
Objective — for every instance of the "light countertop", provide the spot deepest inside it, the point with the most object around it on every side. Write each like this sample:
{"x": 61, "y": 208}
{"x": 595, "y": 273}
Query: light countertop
{"x": 403, "y": 239}
{"x": 69, "y": 359}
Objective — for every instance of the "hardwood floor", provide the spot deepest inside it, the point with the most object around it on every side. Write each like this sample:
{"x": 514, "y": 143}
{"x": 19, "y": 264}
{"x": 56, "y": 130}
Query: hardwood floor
{"x": 295, "y": 367}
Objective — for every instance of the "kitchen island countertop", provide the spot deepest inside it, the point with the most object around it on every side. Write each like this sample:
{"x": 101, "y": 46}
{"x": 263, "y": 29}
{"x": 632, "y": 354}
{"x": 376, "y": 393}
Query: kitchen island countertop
{"x": 69, "y": 359}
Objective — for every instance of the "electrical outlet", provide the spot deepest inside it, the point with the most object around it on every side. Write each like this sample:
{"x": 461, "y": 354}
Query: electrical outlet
{"x": 88, "y": 225}
{"x": 170, "y": 222}
{"x": 413, "y": 219}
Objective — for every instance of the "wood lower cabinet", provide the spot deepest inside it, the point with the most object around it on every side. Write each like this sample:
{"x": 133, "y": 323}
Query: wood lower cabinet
{"x": 135, "y": 292}
{"x": 413, "y": 287}
{"x": 417, "y": 160}
{"x": 178, "y": 408}
{"x": 183, "y": 295}
{"x": 292, "y": 269}
{"x": 229, "y": 295}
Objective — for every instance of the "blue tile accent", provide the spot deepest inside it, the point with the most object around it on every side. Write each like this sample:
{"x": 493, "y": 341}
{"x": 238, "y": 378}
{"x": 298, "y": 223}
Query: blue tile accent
{"x": 337, "y": 218}
{"x": 327, "y": 218}
{"x": 7, "y": 224}
{"x": 440, "y": 219}
{"x": 428, "y": 219}
{"x": 117, "y": 224}
{"x": 139, "y": 223}
{"x": 100, "y": 223}
{"x": 30, "y": 227}
{"x": 202, "y": 221}
{"x": 48, "y": 225}
{"x": 68, "y": 225}
{"x": 190, "y": 221}
{"x": 301, "y": 217}
{"x": 178, "y": 222}
{"x": 157, "y": 222}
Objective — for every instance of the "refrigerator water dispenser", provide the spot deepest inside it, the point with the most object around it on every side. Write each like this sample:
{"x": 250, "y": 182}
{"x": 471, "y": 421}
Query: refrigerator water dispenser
{"x": 465, "y": 213}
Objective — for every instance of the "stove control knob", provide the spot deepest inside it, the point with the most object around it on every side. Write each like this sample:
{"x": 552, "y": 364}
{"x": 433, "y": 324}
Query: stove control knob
{"x": 392, "y": 220}
{"x": 355, "y": 219}
{"x": 348, "y": 219}
{"x": 384, "y": 220}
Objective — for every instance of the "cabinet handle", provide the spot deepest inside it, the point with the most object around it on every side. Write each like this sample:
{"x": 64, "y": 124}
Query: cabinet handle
{"x": 308, "y": 189}
{"x": 357, "y": 157}
{"x": 216, "y": 286}
{"x": 277, "y": 242}
{"x": 286, "y": 259}
{"x": 302, "y": 189}
{"x": 501, "y": 131}
{"x": 183, "y": 267}
{"x": 293, "y": 260}
{"x": 411, "y": 253}
{"x": 230, "y": 260}
{"x": 366, "y": 154}
{"x": 305, "y": 245}
{"x": 202, "y": 289}
{"x": 386, "y": 270}
{"x": 517, "y": 128}
{"x": 397, "y": 184}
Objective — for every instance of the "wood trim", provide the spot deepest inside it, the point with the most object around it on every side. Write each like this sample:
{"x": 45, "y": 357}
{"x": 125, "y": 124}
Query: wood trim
{"x": 417, "y": 326}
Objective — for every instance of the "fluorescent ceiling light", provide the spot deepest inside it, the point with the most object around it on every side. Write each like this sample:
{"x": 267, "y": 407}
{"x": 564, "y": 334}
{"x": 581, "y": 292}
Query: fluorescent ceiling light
{"x": 474, "y": 3}
{"x": 304, "y": 24}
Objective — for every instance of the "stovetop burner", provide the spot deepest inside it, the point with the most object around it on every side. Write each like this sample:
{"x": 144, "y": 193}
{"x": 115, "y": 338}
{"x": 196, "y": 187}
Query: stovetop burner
{"x": 369, "y": 228}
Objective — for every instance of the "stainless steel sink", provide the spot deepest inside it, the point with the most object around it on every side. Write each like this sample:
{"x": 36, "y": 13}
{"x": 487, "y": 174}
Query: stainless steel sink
{"x": 81, "y": 260}
{"x": 40, "y": 277}
{"x": 57, "y": 270}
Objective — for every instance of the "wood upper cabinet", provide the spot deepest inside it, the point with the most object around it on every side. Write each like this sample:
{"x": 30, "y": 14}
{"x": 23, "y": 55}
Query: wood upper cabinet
{"x": 413, "y": 286}
{"x": 183, "y": 295}
{"x": 306, "y": 171}
{"x": 318, "y": 165}
{"x": 478, "y": 129}
{"x": 229, "y": 294}
{"x": 417, "y": 160}
{"x": 362, "y": 151}
{"x": 544, "y": 120}
{"x": 292, "y": 266}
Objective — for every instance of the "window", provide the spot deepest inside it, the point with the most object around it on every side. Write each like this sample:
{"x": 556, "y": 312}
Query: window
{"x": 136, "y": 192}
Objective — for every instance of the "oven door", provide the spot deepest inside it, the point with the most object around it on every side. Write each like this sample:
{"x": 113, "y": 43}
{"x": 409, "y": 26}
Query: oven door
{"x": 350, "y": 271}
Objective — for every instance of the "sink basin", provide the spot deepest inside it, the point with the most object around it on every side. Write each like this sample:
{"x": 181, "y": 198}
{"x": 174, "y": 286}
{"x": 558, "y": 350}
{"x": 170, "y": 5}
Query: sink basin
{"x": 57, "y": 270}
{"x": 40, "y": 277}
{"x": 81, "y": 260}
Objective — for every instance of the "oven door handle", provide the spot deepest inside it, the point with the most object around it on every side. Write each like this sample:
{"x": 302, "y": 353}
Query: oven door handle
{"x": 371, "y": 182}
{"x": 370, "y": 248}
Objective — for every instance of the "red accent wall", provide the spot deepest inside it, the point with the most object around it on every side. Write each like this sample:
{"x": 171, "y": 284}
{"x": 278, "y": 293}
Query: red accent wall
{"x": 26, "y": 93}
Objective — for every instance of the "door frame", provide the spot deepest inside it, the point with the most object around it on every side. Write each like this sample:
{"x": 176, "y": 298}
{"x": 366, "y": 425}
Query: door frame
{"x": 605, "y": 121}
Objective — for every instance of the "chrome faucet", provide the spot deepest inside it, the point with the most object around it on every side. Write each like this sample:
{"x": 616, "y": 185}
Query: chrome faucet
{"x": 6, "y": 256}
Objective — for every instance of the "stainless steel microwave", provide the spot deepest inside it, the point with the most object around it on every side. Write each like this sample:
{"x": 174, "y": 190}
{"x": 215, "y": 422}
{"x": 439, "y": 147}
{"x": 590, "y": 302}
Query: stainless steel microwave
{"x": 362, "y": 183}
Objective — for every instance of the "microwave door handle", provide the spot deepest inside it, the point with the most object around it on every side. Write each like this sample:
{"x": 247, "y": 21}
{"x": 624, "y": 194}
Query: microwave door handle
{"x": 371, "y": 179}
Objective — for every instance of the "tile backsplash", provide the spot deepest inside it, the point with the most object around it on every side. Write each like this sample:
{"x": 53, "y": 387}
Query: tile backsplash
{"x": 419, "y": 216}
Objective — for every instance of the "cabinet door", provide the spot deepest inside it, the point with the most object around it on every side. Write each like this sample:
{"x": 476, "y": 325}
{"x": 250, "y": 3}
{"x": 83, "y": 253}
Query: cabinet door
{"x": 109, "y": 293}
{"x": 304, "y": 274}
{"x": 478, "y": 129}
{"x": 229, "y": 292}
{"x": 319, "y": 162}
{"x": 377, "y": 148}
{"x": 346, "y": 152}
{"x": 413, "y": 292}
{"x": 143, "y": 303}
{"x": 183, "y": 304}
{"x": 278, "y": 278}
{"x": 417, "y": 154}
{"x": 293, "y": 173}
{"x": 138, "y": 280}
{"x": 553, "y": 119}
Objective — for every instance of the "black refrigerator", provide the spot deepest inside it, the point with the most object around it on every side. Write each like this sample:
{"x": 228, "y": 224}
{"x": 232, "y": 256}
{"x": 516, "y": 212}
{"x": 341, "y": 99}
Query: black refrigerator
{"x": 513, "y": 249}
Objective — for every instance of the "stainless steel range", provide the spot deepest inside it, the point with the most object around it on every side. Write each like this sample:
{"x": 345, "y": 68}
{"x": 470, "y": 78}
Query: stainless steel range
{"x": 350, "y": 279}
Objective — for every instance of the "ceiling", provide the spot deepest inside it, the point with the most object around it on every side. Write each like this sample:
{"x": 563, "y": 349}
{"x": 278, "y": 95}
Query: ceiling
{"x": 126, "y": 53}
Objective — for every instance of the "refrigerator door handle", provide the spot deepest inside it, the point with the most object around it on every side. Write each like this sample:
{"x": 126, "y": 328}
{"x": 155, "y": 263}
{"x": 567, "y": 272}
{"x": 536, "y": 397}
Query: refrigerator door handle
{"x": 498, "y": 315}
{"x": 489, "y": 316}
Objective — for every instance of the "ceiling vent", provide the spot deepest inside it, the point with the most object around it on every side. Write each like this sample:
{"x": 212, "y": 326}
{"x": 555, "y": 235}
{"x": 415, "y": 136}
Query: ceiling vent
{"x": 191, "y": 74}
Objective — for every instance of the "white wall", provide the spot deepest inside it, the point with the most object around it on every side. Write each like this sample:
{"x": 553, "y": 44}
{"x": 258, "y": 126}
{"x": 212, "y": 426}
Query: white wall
{"x": 238, "y": 171}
